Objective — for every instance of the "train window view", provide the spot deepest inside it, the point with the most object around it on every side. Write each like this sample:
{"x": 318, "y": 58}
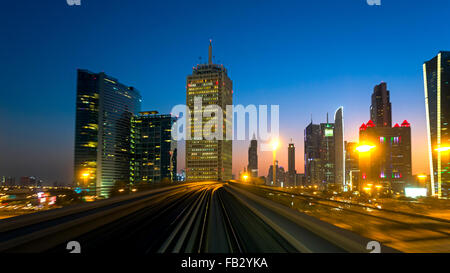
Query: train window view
{"x": 225, "y": 135}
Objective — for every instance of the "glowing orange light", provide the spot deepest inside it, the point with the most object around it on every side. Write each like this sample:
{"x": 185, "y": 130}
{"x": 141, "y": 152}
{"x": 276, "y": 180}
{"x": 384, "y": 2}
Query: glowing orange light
{"x": 275, "y": 144}
{"x": 443, "y": 149}
{"x": 364, "y": 148}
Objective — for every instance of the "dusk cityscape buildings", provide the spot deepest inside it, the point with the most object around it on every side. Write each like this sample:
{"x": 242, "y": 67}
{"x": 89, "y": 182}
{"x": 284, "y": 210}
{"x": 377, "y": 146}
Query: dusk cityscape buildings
{"x": 115, "y": 142}
{"x": 118, "y": 136}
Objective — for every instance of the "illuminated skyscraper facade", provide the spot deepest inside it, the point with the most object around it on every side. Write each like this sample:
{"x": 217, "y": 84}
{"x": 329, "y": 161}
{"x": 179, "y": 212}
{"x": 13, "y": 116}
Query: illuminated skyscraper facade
{"x": 206, "y": 158}
{"x": 153, "y": 151}
{"x": 104, "y": 108}
{"x": 436, "y": 73}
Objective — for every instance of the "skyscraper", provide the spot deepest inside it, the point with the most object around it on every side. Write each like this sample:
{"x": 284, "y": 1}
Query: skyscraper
{"x": 153, "y": 152}
{"x": 388, "y": 164}
{"x": 291, "y": 164}
{"x": 104, "y": 108}
{"x": 327, "y": 154}
{"x": 320, "y": 154}
{"x": 252, "y": 167}
{"x": 312, "y": 153}
{"x": 380, "y": 110}
{"x": 339, "y": 149}
{"x": 436, "y": 73}
{"x": 208, "y": 159}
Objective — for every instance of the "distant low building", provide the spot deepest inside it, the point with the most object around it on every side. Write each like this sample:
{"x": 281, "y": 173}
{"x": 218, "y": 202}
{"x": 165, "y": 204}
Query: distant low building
{"x": 8, "y": 181}
{"x": 30, "y": 181}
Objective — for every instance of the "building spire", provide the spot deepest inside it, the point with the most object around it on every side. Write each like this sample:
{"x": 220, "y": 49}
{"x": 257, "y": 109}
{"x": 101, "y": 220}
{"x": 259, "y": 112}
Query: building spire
{"x": 210, "y": 52}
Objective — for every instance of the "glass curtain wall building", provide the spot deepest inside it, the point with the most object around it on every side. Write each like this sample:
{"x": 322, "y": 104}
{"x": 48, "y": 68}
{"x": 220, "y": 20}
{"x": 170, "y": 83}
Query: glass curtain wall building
{"x": 436, "y": 73}
{"x": 153, "y": 152}
{"x": 104, "y": 108}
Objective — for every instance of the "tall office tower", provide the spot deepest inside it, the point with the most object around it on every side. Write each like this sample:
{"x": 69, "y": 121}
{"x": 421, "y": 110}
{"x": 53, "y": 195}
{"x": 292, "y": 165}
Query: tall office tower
{"x": 327, "y": 154}
{"x": 291, "y": 165}
{"x": 208, "y": 159}
{"x": 153, "y": 152}
{"x": 339, "y": 149}
{"x": 312, "y": 154}
{"x": 380, "y": 110}
{"x": 352, "y": 166}
{"x": 388, "y": 164}
{"x": 320, "y": 154}
{"x": 436, "y": 74}
{"x": 104, "y": 108}
{"x": 253, "y": 158}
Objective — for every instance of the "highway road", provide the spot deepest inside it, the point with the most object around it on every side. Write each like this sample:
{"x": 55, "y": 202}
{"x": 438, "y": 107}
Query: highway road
{"x": 192, "y": 218}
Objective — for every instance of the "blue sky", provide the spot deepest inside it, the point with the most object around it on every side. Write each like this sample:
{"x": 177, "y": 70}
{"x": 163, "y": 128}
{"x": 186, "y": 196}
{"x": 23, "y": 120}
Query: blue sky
{"x": 309, "y": 57}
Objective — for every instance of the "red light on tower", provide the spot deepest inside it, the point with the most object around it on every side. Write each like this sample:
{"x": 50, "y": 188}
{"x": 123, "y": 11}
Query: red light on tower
{"x": 396, "y": 125}
{"x": 363, "y": 127}
{"x": 370, "y": 124}
{"x": 406, "y": 124}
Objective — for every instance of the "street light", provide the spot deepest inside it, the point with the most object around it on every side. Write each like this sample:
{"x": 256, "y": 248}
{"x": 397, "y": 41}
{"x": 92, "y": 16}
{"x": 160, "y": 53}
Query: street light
{"x": 245, "y": 177}
{"x": 274, "y": 149}
{"x": 365, "y": 153}
{"x": 443, "y": 149}
{"x": 85, "y": 176}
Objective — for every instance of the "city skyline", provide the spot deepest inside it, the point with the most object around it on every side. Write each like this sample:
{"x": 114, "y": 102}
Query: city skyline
{"x": 57, "y": 80}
